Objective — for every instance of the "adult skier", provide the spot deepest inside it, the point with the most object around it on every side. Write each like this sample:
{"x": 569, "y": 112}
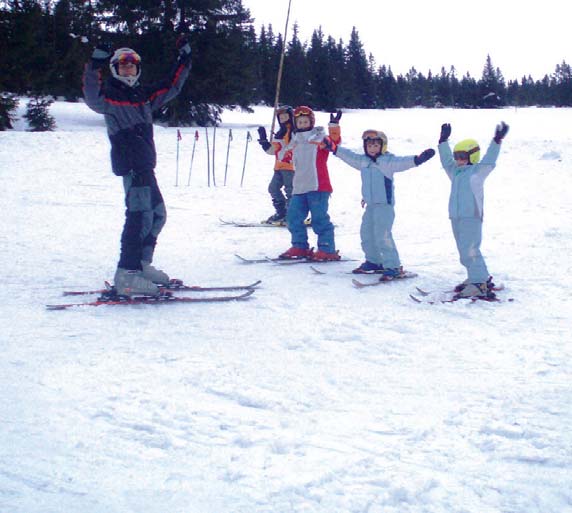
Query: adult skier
{"x": 128, "y": 109}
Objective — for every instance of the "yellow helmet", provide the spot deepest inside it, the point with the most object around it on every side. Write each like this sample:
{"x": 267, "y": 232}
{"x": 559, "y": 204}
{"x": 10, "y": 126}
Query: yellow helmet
{"x": 375, "y": 135}
{"x": 467, "y": 149}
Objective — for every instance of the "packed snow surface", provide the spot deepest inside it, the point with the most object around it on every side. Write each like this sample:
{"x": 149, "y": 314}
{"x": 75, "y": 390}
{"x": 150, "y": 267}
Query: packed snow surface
{"x": 312, "y": 396}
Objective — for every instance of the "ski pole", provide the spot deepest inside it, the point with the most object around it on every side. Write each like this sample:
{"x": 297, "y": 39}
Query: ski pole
{"x": 248, "y": 138}
{"x": 193, "y": 156}
{"x": 227, "y": 151}
{"x": 177, "y": 171}
{"x": 214, "y": 142}
{"x": 280, "y": 68}
{"x": 208, "y": 158}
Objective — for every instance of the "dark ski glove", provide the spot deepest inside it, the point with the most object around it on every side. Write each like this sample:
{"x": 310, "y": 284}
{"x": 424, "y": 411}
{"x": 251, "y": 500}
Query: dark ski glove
{"x": 445, "y": 132}
{"x": 424, "y": 156}
{"x": 330, "y": 145}
{"x": 500, "y": 132}
{"x": 184, "y": 48}
{"x": 263, "y": 138}
{"x": 100, "y": 55}
{"x": 335, "y": 117}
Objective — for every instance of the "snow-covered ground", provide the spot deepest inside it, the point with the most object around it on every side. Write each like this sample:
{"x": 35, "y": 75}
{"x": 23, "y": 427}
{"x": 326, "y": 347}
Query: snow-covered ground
{"x": 312, "y": 396}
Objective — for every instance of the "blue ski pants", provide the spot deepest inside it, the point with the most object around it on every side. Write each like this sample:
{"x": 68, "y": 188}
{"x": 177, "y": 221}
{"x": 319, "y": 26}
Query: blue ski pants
{"x": 376, "y": 237}
{"x": 316, "y": 204}
{"x": 468, "y": 236}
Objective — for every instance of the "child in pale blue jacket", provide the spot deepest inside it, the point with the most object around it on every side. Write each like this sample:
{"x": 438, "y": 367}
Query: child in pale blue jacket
{"x": 467, "y": 174}
{"x": 377, "y": 167}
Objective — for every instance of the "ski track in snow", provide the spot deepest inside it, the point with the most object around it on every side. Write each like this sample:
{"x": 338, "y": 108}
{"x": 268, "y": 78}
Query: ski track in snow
{"x": 312, "y": 396}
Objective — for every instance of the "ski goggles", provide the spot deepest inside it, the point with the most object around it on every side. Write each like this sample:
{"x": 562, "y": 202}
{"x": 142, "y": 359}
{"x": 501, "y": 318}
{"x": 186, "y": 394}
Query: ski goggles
{"x": 129, "y": 58}
{"x": 465, "y": 155}
{"x": 371, "y": 135}
{"x": 302, "y": 111}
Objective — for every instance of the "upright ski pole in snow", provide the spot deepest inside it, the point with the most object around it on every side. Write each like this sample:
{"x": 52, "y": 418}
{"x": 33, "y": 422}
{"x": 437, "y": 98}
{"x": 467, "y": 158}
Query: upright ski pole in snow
{"x": 214, "y": 142}
{"x": 208, "y": 158}
{"x": 280, "y": 68}
{"x": 248, "y": 138}
{"x": 227, "y": 151}
{"x": 193, "y": 156}
{"x": 177, "y": 170}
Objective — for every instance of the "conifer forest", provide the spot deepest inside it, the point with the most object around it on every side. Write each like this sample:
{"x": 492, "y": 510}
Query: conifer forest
{"x": 45, "y": 44}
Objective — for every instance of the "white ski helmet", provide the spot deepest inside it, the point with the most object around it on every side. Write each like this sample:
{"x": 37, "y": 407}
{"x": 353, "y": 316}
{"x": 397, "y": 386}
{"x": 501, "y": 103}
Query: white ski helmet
{"x": 375, "y": 135}
{"x": 125, "y": 55}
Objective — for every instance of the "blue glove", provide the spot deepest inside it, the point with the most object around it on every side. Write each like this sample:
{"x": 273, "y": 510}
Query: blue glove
{"x": 100, "y": 54}
{"x": 445, "y": 132}
{"x": 500, "y": 132}
{"x": 424, "y": 156}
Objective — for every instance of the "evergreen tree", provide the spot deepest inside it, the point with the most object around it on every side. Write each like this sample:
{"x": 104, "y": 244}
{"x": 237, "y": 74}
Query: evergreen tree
{"x": 491, "y": 86}
{"x": 359, "y": 84}
{"x": 386, "y": 91}
{"x": 38, "y": 115}
{"x": 295, "y": 79}
{"x": 320, "y": 73}
{"x": 8, "y": 104}
{"x": 563, "y": 85}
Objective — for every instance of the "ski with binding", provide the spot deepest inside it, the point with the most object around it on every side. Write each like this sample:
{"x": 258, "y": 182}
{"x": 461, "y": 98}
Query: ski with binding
{"x": 246, "y": 224}
{"x": 380, "y": 281}
{"x": 174, "y": 285}
{"x": 111, "y": 299}
{"x": 454, "y": 298}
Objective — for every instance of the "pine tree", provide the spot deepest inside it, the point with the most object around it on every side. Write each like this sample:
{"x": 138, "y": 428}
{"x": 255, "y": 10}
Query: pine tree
{"x": 38, "y": 116}
{"x": 295, "y": 79}
{"x": 8, "y": 104}
{"x": 491, "y": 86}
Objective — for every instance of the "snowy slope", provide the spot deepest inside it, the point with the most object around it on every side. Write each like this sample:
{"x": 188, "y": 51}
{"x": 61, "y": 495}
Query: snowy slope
{"x": 312, "y": 396}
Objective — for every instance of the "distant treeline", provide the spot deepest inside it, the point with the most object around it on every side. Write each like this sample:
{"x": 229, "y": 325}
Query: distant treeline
{"x": 44, "y": 45}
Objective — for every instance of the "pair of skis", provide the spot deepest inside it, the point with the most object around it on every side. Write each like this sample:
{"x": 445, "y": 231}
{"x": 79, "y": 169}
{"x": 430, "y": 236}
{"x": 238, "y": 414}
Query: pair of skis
{"x": 288, "y": 261}
{"x": 451, "y": 296}
{"x": 109, "y": 296}
{"x": 262, "y": 224}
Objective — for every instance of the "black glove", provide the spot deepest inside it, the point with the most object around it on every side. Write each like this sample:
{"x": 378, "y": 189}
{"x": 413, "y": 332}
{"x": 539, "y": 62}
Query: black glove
{"x": 335, "y": 118}
{"x": 330, "y": 144}
{"x": 445, "y": 132}
{"x": 184, "y": 48}
{"x": 100, "y": 54}
{"x": 500, "y": 132}
{"x": 424, "y": 156}
{"x": 263, "y": 138}
{"x": 262, "y": 134}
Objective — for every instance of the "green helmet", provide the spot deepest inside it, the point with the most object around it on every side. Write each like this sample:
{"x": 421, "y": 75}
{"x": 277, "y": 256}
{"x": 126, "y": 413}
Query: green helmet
{"x": 469, "y": 150}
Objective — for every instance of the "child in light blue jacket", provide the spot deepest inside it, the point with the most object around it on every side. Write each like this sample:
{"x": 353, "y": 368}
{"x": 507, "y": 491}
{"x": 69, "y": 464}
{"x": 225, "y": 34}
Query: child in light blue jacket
{"x": 377, "y": 167}
{"x": 467, "y": 174}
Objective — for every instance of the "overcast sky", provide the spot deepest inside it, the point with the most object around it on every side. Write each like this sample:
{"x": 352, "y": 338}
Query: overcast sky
{"x": 522, "y": 38}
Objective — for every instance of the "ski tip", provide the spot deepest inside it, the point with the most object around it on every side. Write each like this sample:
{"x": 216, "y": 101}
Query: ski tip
{"x": 316, "y": 270}
{"x": 414, "y": 298}
{"x": 358, "y": 284}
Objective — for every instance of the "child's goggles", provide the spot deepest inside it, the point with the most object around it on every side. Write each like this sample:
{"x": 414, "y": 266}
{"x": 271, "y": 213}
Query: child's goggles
{"x": 129, "y": 58}
{"x": 302, "y": 111}
{"x": 464, "y": 155}
{"x": 371, "y": 135}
